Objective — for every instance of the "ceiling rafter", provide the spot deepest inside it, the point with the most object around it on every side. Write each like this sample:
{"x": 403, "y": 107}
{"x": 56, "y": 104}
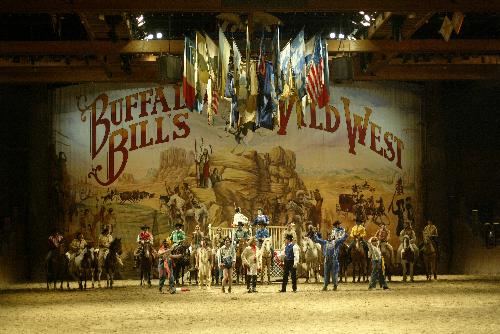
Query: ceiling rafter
{"x": 176, "y": 47}
{"x": 117, "y": 6}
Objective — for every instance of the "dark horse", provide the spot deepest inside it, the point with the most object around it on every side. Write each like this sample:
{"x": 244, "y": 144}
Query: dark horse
{"x": 343, "y": 262}
{"x": 146, "y": 262}
{"x": 56, "y": 267}
{"x": 358, "y": 256}
{"x": 111, "y": 261}
{"x": 180, "y": 264}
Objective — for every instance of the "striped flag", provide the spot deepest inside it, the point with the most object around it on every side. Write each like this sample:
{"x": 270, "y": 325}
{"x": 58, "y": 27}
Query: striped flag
{"x": 188, "y": 75}
{"x": 317, "y": 86}
{"x": 215, "y": 101}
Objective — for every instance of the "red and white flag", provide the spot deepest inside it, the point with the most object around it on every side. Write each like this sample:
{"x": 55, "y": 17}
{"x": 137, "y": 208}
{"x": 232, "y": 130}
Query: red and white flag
{"x": 188, "y": 75}
{"x": 316, "y": 83}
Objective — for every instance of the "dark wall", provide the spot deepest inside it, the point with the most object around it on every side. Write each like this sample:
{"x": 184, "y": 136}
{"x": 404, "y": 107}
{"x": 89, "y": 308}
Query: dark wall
{"x": 25, "y": 136}
{"x": 461, "y": 169}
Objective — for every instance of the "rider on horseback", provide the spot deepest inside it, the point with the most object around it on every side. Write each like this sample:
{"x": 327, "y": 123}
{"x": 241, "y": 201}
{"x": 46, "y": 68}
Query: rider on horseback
{"x": 239, "y": 234}
{"x": 383, "y": 235}
{"x": 142, "y": 238}
{"x": 430, "y": 232}
{"x": 261, "y": 234}
{"x": 178, "y": 235}
{"x": 105, "y": 240}
{"x": 55, "y": 241}
{"x": 408, "y": 231}
{"x": 359, "y": 232}
{"x": 76, "y": 246}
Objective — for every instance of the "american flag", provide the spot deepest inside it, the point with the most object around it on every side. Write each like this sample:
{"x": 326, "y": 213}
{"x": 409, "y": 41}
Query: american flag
{"x": 215, "y": 101}
{"x": 317, "y": 87}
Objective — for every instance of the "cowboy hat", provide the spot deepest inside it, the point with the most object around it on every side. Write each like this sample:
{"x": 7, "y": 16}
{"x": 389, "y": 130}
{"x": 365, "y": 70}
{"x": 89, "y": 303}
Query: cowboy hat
{"x": 337, "y": 223}
{"x": 179, "y": 224}
{"x": 289, "y": 237}
{"x": 241, "y": 223}
{"x": 144, "y": 227}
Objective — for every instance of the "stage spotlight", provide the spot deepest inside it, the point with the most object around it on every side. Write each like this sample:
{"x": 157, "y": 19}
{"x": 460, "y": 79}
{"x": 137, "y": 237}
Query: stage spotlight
{"x": 341, "y": 36}
{"x": 332, "y": 35}
{"x": 159, "y": 35}
{"x": 361, "y": 12}
{"x": 367, "y": 17}
{"x": 150, "y": 36}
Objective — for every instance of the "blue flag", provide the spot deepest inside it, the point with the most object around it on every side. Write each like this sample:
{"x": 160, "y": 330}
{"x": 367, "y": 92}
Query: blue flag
{"x": 298, "y": 63}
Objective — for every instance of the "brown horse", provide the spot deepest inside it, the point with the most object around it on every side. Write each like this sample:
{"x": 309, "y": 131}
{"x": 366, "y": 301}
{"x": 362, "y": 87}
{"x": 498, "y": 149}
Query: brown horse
{"x": 182, "y": 263}
{"x": 430, "y": 259}
{"x": 343, "y": 262}
{"x": 239, "y": 267}
{"x": 146, "y": 260}
{"x": 407, "y": 256}
{"x": 358, "y": 256}
{"x": 111, "y": 262}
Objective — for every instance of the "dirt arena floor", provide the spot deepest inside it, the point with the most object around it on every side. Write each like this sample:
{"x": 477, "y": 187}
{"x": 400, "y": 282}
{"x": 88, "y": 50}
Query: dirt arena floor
{"x": 453, "y": 304}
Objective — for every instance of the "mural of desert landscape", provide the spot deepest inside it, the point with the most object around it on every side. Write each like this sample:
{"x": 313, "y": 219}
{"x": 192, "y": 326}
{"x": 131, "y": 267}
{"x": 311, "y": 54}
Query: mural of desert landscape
{"x": 308, "y": 166}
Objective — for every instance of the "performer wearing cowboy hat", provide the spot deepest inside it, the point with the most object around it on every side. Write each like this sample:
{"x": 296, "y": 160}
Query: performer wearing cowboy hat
{"x": 290, "y": 255}
{"x": 177, "y": 236}
{"x": 331, "y": 249}
{"x": 143, "y": 237}
{"x": 375, "y": 255}
{"x": 239, "y": 233}
{"x": 262, "y": 233}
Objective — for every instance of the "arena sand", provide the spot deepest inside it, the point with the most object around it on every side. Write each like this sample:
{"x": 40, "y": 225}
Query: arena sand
{"x": 453, "y": 304}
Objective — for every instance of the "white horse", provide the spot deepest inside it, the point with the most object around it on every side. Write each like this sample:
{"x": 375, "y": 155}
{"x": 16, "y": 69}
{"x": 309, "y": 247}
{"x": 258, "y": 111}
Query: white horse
{"x": 407, "y": 256}
{"x": 204, "y": 266}
{"x": 311, "y": 251}
{"x": 265, "y": 256}
{"x": 81, "y": 266}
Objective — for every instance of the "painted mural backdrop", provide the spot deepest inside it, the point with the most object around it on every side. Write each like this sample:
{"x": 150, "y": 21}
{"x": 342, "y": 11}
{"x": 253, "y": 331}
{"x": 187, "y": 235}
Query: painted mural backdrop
{"x": 133, "y": 155}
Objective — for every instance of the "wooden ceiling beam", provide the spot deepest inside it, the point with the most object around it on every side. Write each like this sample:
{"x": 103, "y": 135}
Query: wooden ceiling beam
{"x": 148, "y": 72}
{"x": 177, "y": 47}
{"x": 432, "y": 72}
{"x": 116, "y": 6}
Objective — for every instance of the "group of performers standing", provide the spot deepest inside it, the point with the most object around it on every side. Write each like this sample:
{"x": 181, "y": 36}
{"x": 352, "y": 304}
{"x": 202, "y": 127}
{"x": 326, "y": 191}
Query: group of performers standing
{"x": 226, "y": 254}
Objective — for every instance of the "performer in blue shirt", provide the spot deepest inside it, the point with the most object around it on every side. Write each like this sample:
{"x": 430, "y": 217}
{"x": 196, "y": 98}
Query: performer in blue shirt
{"x": 261, "y": 233}
{"x": 261, "y": 217}
{"x": 290, "y": 257}
{"x": 331, "y": 248}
